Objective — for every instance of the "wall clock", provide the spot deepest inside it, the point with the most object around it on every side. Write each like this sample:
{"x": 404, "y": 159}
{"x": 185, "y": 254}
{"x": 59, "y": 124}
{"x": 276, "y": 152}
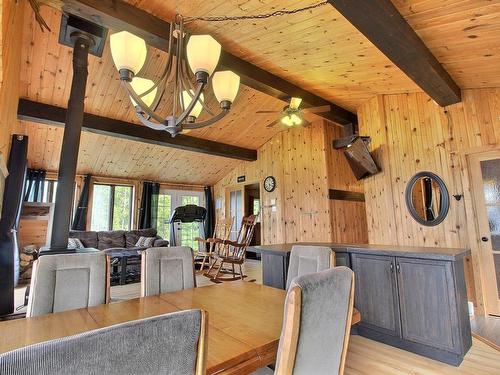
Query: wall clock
{"x": 269, "y": 184}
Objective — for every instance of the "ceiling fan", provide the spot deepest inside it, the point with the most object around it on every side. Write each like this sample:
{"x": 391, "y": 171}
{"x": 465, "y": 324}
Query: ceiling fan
{"x": 292, "y": 115}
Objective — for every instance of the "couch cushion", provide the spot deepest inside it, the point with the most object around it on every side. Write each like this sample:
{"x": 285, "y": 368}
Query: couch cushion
{"x": 131, "y": 237}
{"x": 114, "y": 238}
{"x": 88, "y": 238}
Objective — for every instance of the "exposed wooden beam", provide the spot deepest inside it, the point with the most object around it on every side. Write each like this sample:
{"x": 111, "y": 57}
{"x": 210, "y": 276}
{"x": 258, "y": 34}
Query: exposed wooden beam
{"x": 52, "y": 115}
{"x": 118, "y": 15}
{"x": 382, "y": 24}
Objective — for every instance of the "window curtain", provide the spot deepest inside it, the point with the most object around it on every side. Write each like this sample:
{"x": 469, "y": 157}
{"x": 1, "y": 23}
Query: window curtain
{"x": 148, "y": 212}
{"x": 80, "y": 219}
{"x": 35, "y": 183}
{"x": 210, "y": 219}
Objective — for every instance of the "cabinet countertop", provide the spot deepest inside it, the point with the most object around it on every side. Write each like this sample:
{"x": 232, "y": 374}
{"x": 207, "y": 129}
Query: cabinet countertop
{"x": 437, "y": 253}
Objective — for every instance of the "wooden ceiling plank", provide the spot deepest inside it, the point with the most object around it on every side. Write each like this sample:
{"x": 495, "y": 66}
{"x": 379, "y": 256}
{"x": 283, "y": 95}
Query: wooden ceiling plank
{"x": 51, "y": 115}
{"x": 118, "y": 15}
{"x": 382, "y": 24}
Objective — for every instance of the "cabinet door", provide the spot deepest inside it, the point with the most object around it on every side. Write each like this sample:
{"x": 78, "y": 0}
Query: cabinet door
{"x": 376, "y": 295}
{"x": 427, "y": 302}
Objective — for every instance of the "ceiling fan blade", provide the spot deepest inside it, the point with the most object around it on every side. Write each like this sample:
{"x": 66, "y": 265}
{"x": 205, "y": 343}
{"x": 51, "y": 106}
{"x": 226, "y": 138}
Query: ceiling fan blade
{"x": 320, "y": 109}
{"x": 268, "y": 112}
{"x": 270, "y": 125}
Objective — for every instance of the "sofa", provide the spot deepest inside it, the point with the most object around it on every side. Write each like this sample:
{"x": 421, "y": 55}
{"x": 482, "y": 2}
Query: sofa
{"x": 117, "y": 241}
{"x": 120, "y": 246}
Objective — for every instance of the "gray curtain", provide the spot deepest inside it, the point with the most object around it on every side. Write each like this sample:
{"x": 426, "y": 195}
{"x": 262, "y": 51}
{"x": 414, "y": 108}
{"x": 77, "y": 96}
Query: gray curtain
{"x": 148, "y": 212}
{"x": 210, "y": 220}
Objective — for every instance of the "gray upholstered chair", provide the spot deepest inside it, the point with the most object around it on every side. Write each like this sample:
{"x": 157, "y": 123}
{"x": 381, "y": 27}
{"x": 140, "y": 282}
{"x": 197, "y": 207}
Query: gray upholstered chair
{"x": 317, "y": 323}
{"x": 309, "y": 259}
{"x": 167, "y": 269}
{"x": 173, "y": 343}
{"x": 68, "y": 281}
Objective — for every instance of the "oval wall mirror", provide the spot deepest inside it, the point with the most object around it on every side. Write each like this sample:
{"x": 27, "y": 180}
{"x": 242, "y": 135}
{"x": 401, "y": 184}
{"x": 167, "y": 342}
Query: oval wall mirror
{"x": 427, "y": 198}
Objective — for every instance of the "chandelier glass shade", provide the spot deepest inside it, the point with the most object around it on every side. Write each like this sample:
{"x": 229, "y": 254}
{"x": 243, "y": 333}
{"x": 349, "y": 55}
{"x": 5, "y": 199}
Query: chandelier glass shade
{"x": 190, "y": 64}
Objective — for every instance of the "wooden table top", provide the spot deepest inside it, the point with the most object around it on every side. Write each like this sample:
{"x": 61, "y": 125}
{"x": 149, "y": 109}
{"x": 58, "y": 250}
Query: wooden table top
{"x": 244, "y": 322}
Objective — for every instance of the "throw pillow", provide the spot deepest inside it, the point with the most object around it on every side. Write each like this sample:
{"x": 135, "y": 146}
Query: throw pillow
{"x": 145, "y": 241}
{"x": 75, "y": 243}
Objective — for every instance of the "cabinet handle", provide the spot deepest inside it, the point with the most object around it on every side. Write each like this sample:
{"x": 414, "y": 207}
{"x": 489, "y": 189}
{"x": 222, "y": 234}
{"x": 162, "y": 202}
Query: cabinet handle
{"x": 398, "y": 268}
{"x": 392, "y": 267}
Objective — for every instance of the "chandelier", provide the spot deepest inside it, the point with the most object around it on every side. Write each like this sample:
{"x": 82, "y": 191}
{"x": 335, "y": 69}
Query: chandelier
{"x": 190, "y": 64}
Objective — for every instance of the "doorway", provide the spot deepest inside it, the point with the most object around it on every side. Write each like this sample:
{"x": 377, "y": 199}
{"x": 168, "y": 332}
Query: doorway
{"x": 244, "y": 200}
{"x": 485, "y": 185}
{"x": 185, "y": 233}
{"x": 252, "y": 207}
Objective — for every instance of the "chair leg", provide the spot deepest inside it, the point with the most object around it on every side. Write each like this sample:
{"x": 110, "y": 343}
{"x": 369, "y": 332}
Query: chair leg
{"x": 202, "y": 267}
{"x": 215, "y": 278}
{"x": 207, "y": 274}
{"x": 234, "y": 273}
{"x": 241, "y": 272}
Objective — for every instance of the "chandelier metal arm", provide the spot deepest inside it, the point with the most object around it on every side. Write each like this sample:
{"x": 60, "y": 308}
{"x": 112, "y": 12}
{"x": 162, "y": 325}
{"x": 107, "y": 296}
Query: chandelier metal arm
{"x": 202, "y": 124}
{"x": 179, "y": 120}
{"x": 140, "y": 103}
{"x": 149, "y": 124}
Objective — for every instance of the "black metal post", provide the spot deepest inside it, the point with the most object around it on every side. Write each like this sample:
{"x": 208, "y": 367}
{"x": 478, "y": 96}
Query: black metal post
{"x": 71, "y": 143}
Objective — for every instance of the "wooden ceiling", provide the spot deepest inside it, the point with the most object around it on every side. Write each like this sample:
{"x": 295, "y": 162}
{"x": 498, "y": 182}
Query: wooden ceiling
{"x": 318, "y": 50}
{"x": 110, "y": 156}
{"x": 323, "y": 53}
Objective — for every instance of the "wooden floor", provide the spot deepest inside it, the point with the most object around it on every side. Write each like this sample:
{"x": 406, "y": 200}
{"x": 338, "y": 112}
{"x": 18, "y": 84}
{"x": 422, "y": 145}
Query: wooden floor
{"x": 367, "y": 357}
{"x": 487, "y": 329}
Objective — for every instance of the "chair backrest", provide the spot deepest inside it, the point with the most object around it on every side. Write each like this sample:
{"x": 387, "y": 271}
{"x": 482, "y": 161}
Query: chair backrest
{"x": 167, "y": 269}
{"x": 68, "y": 281}
{"x": 223, "y": 228}
{"x": 173, "y": 343}
{"x": 309, "y": 259}
{"x": 245, "y": 233}
{"x": 317, "y": 323}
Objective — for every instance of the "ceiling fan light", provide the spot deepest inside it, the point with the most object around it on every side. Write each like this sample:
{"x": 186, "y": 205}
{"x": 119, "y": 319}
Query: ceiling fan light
{"x": 140, "y": 86}
{"x": 226, "y": 85}
{"x": 128, "y": 51}
{"x": 198, "y": 107}
{"x": 295, "y": 119}
{"x": 295, "y": 103}
{"x": 203, "y": 53}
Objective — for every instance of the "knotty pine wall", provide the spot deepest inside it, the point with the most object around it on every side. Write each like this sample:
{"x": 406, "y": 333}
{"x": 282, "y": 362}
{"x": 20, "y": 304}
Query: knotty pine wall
{"x": 12, "y": 16}
{"x": 305, "y": 167}
{"x": 410, "y": 133}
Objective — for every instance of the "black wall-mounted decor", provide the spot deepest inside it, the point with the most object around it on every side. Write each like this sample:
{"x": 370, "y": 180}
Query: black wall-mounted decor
{"x": 432, "y": 209}
{"x": 344, "y": 195}
{"x": 9, "y": 222}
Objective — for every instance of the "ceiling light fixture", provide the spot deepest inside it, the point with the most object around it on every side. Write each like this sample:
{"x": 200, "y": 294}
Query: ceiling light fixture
{"x": 198, "y": 54}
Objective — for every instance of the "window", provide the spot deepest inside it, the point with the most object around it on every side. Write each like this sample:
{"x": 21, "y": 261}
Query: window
{"x": 49, "y": 191}
{"x": 164, "y": 213}
{"x": 256, "y": 206}
{"x": 111, "y": 207}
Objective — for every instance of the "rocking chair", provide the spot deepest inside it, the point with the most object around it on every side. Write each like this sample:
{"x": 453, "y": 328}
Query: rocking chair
{"x": 207, "y": 247}
{"x": 233, "y": 252}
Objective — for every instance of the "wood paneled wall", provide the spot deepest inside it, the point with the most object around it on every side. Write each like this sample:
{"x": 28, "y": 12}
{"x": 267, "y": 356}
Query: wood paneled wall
{"x": 304, "y": 167}
{"x": 12, "y": 24}
{"x": 348, "y": 219}
{"x": 410, "y": 133}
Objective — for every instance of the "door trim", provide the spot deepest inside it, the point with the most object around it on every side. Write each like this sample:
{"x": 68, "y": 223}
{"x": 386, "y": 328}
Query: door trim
{"x": 483, "y": 286}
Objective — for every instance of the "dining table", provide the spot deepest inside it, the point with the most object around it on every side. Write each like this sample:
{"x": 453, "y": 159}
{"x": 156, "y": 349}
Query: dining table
{"x": 244, "y": 322}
